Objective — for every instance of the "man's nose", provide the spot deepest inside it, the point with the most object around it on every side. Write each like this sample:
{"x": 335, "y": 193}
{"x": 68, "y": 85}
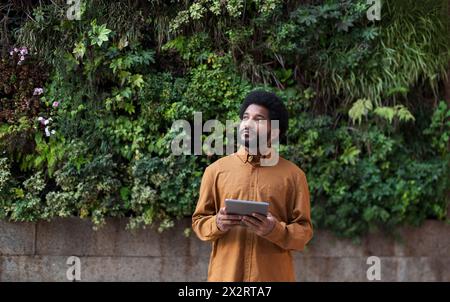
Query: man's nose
{"x": 249, "y": 124}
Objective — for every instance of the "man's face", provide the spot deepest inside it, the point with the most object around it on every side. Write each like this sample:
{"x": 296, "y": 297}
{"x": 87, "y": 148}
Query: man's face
{"x": 255, "y": 121}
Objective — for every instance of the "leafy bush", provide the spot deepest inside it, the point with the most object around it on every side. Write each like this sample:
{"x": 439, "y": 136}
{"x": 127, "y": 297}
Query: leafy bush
{"x": 95, "y": 142}
{"x": 371, "y": 175}
{"x": 22, "y": 78}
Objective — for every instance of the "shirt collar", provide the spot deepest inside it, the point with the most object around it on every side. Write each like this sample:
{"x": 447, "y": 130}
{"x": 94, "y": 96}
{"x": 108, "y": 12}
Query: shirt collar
{"x": 245, "y": 156}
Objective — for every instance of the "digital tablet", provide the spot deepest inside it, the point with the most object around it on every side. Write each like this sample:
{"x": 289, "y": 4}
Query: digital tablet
{"x": 246, "y": 207}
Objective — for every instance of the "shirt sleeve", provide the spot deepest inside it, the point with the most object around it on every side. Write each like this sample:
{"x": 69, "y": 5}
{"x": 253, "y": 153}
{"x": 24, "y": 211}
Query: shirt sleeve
{"x": 295, "y": 234}
{"x": 204, "y": 217}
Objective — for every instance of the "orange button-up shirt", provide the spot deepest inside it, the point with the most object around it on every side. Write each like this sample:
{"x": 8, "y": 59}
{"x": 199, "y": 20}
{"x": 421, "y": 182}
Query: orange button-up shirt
{"x": 239, "y": 254}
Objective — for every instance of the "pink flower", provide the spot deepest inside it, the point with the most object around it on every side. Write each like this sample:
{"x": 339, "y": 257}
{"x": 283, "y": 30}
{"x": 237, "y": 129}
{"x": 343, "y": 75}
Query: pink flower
{"x": 11, "y": 53}
{"x": 23, "y": 51}
{"x": 16, "y": 50}
{"x": 55, "y": 104}
{"x": 22, "y": 58}
{"x": 38, "y": 91}
{"x": 46, "y": 122}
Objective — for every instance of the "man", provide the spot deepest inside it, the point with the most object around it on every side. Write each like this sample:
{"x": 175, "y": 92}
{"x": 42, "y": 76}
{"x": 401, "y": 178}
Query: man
{"x": 256, "y": 247}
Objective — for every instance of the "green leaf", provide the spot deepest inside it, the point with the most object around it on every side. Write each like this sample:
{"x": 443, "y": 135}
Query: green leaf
{"x": 387, "y": 113}
{"x": 137, "y": 81}
{"x": 126, "y": 93}
{"x": 359, "y": 109}
{"x": 350, "y": 155}
{"x": 404, "y": 114}
{"x": 79, "y": 50}
{"x": 125, "y": 193}
{"x": 98, "y": 34}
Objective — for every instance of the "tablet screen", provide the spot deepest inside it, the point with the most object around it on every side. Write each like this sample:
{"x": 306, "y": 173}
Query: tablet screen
{"x": 246, "y": 207}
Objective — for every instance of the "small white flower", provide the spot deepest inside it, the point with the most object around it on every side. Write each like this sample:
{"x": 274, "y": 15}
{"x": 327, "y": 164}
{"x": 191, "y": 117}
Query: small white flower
{"x": 23, "y": 51}
{"x": 40, "y": 118}
{"x": 38, "y": 91}
{"x": 53, "y": 132}
{"x": 47, "y": 132}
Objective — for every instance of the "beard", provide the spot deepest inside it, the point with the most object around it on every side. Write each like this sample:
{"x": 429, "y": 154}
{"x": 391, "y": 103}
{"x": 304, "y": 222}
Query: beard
{"x": 252, "y": 142}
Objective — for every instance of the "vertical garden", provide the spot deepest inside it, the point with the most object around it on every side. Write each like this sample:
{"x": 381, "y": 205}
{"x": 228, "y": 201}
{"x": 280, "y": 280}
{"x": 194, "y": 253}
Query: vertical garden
{"x": 86, "y": 106}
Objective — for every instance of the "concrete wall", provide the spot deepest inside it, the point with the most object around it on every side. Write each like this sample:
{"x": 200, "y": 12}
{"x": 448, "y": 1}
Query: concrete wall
{"x": 39, "y": 251}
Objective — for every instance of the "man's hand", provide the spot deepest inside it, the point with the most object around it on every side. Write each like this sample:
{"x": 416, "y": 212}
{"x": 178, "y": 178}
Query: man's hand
{"x": 225, "y": 222}
{"x": 260, "y": 224}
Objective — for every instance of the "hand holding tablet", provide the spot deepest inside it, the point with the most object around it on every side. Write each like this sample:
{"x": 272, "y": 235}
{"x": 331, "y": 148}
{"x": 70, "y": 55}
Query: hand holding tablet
{"x": 254, "y": 215}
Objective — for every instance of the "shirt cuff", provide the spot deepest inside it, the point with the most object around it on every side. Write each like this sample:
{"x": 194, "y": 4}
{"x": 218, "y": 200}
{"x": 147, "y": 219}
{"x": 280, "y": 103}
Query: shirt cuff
{"x": 276, "y": 234}
{"x": 214, "y": 228}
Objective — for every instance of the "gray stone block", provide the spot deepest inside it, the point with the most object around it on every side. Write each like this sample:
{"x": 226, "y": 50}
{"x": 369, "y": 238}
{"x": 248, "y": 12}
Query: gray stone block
{"x": 443, "y": 268}
{"x": 335, "y": 269}
{"x": 103, "y": 269}
{"x": 116, "y": 254}
{"x": 132, "y": 269}
{"x": 343, "y": 269}
{"x": 33, "y": 268}
{"x": 432, "y": 239}
{"x": 379, "y": 244}
{"x": 184, "y": 269}
{"x": 418, "y": 269}
{"x": 17, "y": 238}
{"x": 200, "y": 248}
{"x": 74, "y": 236}
{"x": 325, "y": 244}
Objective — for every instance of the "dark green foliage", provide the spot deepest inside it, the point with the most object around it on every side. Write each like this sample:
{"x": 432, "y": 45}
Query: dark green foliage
{"x": 366, "y": 123}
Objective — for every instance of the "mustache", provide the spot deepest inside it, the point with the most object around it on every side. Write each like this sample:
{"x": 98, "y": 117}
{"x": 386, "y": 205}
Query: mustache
{"x": 247, "y": 130}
